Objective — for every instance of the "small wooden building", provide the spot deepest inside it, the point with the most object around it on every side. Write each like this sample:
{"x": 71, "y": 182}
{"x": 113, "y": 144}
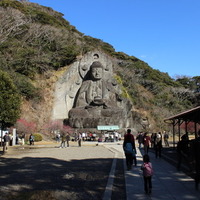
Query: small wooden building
{"x": 192, "y": 115}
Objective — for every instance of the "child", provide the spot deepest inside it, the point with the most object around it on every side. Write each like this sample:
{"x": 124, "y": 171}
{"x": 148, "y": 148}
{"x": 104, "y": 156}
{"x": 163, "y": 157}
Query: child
{"x": 147, "y": 173}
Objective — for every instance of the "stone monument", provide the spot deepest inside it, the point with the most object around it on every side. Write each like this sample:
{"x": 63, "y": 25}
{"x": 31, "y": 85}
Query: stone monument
{"x": 87, "y": 95}
{"x": 98, "y": 101}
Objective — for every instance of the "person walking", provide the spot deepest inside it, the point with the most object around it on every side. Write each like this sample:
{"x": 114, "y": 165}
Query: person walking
{"x": 58, "y": 137}
{"x": 146, "y": 143}
{"x": 197, "y": 160}
{"x": 79, "y": 139}
{"x": 6, "y": 140}
{"x": 166, "y": 138}
{"x": 140, "y": 139}
{"x": 183, "y": 151}
{"x": 23, "y": 138}
{"x": 147, "y": 174}
{"x": 153, "y": 135}
{"x": 67, "y": 139}
{"x": 158, "y": 144}
{"x": 63, "y": 140}
{"x": 31, "y": 139}
{"x": 129, "y": 149}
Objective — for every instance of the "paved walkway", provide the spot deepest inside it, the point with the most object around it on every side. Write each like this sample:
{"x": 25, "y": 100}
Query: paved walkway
{"x": 167, "y": 182}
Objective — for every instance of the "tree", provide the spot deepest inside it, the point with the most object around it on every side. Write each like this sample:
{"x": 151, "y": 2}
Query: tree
{"x": 26, "y": 127}
{"x": 57, "y": 126}
{"x": 12, "y": 23}
{"x": 10, "y": 101}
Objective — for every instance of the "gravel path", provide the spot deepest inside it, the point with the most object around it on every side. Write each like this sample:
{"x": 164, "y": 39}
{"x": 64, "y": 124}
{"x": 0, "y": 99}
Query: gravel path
{"x": 55, "y": 173}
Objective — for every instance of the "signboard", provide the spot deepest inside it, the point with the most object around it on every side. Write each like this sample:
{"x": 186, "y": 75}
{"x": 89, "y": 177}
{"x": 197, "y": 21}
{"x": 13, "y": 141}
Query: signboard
{"x": 108, "y": 128}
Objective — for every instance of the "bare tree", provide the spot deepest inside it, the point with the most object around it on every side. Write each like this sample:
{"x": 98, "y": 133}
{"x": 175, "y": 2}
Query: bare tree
{"x": 182, "y": 94}
{"x": 11, "y": 23}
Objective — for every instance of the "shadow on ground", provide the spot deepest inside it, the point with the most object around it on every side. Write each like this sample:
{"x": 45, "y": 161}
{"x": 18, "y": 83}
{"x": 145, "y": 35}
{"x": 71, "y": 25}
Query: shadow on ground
{"x": 77, "y": 179}
{"x": 53, "y": 179}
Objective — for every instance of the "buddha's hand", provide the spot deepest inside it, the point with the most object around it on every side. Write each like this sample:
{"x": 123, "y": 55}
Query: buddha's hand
{"x": 98, "y": 101}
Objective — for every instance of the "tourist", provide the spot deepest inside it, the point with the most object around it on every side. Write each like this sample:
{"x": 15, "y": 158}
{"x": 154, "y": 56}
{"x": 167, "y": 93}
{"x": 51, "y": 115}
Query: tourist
{"x": 67, "y": 139}
{"x": 129, "y": 149}
{"x": 147, "y": 174}
{"x": 197, "y": 160}
{"x": 166, "y": 137}
{"x": 84, "y": 136}
{"x": 106, "y": 136}
{"x": 146, "y": 143}
{"x": 153, "y": 136}
{"x": 79, "y": 139}
{"x": 183, "y": 150}
{"x": 23, "y": 138}
{"x": 58, "y": 137}
{"x": 158, "y": 144}
{"x": 31, "y": 139}
{"x": 6, "y": 140}
{"x": 116, "y": 136}
{"x": 63, "y": 140}
{"x": 140, "y": 139}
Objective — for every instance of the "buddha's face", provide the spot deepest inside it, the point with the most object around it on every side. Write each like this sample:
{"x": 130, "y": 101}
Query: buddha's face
{"x": 97, "y": 73}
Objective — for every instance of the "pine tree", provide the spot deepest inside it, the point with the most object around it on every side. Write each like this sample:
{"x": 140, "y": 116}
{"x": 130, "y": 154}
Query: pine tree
{"x": 10, "y": 101}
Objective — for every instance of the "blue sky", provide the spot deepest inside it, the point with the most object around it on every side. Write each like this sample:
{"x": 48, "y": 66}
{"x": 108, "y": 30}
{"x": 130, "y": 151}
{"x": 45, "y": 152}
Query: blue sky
{"x": 163, "y": 33}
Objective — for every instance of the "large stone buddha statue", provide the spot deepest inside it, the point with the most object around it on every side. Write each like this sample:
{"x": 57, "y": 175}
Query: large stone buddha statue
{"x": 97, "y": 101}
{"x": 96, "y": 92}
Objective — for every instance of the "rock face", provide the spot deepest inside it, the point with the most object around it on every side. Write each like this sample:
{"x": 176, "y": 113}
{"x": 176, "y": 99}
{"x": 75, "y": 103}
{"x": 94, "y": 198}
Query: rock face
{"x": 87, "y": 95}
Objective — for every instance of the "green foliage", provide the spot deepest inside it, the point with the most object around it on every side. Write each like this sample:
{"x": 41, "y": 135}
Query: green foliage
{"x": 121, "y": 55}
{"x": 44, "y": 18}
{"x": 190, "y": 83}
{"x": 107, "y": 48}
{"x": 23, "y": 62}
{"x": 184, "y": 81}
{"x": 125, "y": 93}
{"x": 25, "y": 87}
{"x": 92, "y": 41}
{"x": 65, "y": 56}
{"x": 10, "y": 100}
{"x": 36, "y": 48}
{"x": 13, "y": 4}
{"x": 37, "y": 137}
{"x": 155, "y": 75}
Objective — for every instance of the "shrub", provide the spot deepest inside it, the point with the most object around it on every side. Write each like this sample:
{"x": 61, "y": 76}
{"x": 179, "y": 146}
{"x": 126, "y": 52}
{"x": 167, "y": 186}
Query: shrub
{"x": 38, "y": 137}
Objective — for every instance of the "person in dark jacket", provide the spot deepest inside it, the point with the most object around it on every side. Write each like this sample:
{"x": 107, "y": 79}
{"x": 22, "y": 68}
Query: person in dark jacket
{"x": 129, "y": 141}
{"x": 158, "y": 144}
{"x": 146, "y": 143}
{"x": 31, "y": 139}
{"x": 6, "y": 140}
{"x": 67, "y": 139}
{"x": 197, "y": 160}
{"x": 183, "y": 150}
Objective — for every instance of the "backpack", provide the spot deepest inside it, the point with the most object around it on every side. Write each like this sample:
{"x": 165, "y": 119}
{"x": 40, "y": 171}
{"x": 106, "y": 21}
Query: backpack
{"x": 128, "y": 148}
{"x": 148, "y": 171}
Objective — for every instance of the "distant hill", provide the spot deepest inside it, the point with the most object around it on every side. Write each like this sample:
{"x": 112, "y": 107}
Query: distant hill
{"x": 37, "y": 43}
